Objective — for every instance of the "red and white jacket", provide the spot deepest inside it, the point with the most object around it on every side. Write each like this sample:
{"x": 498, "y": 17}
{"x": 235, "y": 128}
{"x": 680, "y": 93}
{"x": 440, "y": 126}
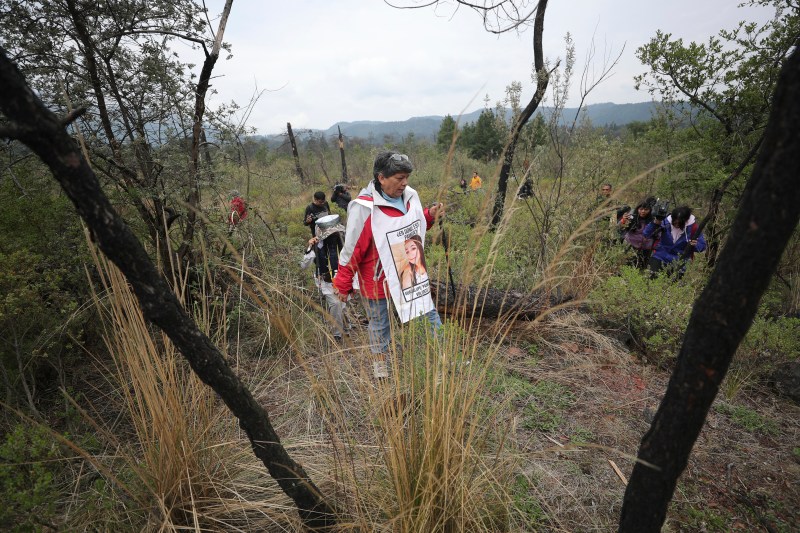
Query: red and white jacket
{"x": 359, "y": 255}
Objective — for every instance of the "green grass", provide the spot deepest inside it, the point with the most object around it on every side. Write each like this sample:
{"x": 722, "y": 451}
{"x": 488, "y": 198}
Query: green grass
{"x": 748, "y": 419}
{"x": 547, "y": 403}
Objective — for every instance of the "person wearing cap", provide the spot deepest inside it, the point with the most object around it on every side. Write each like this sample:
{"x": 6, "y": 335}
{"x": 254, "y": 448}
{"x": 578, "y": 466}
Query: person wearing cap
{"x": 323, "y": 249}
{"x": 386, "y": 213}
{"x": 316, "y": 209}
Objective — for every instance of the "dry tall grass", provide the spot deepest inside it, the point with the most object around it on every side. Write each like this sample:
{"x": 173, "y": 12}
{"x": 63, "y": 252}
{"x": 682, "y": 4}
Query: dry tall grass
{"x": 431, "y": 450}
{"x": 184, "y": 452}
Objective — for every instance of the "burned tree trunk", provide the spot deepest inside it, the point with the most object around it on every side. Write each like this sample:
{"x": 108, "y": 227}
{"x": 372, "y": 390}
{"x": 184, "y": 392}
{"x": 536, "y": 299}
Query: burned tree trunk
{"x": 193, "y": 200}
{"x": 767, "y": 217}
{"x": 341, "y": 153}
{"x": 542, "y": 79}
{"x": 29, "y": 121}
{"x": 295, "y": 153}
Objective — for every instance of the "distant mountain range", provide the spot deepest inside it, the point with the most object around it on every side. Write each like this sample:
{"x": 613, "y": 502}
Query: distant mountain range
{"x": 426, "y": 128}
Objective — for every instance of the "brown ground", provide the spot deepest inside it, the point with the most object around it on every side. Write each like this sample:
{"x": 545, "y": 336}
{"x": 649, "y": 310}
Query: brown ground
{"x": 739, "y": 477}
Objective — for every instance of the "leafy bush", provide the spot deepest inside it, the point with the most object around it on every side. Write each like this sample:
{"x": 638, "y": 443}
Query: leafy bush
{"x": 41, "y": 283}
{"x": 654, "y": 312}
{"x": 768, "y": 341}
{"x": 28, "y": 469}
{"x": 778, "y": 336}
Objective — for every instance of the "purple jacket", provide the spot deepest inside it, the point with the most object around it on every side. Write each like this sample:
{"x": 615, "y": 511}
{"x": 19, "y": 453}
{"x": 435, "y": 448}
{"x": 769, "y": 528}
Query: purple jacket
{"x": 635, "y": 237}
{"x": 667, "y": 249}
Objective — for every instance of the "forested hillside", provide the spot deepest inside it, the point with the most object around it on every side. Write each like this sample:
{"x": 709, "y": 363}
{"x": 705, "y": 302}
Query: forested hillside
{"x": 167, "y": 364}
{"x": 425, "y": 128}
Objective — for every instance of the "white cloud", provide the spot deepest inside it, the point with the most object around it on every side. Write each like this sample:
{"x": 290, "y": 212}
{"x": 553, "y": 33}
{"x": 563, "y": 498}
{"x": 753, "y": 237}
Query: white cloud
{"x": 323, "y": 62}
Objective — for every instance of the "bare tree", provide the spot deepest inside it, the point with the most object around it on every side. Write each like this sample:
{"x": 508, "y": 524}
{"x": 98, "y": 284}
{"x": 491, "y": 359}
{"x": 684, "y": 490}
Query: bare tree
{"x": 198, "y": 134}
{"x": 295, "y": 153}
{"x": 767, "y": 217}
{"x": 499, "y": 16}
{"x": 28, "y": 120}
{"x": 341, "y": 153}
{"x": 542, "y": 78}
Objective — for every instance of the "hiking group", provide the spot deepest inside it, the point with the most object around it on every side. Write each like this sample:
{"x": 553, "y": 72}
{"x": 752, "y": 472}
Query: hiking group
{"x": 378, "y": 256}
{"x": 660, "y": 240}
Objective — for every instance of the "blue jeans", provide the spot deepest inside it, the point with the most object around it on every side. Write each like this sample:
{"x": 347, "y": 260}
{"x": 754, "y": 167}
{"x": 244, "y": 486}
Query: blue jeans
{"x": 380, "y": 325}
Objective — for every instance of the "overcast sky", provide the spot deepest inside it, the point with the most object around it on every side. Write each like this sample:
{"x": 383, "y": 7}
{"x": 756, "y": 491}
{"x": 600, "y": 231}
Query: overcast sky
{"x": 322, "y": 61}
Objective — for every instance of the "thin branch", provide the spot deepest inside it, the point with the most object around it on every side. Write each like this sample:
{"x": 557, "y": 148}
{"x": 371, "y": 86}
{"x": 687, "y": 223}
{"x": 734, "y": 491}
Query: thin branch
{"x": 197, "y": 40}
{"x": 72, "y": 116}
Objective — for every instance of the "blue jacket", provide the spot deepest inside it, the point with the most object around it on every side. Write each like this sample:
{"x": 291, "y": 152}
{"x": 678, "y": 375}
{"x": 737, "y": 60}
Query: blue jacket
{"x": 667, "y": 250}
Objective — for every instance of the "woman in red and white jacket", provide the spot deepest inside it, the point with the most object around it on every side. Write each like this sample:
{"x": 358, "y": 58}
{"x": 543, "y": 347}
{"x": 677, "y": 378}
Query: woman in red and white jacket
{"x": 385, "y": 198}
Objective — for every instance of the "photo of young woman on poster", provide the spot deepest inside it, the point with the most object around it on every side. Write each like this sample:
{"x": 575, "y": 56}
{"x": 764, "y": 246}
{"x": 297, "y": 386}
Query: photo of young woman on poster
{"x": 414, "y": 271}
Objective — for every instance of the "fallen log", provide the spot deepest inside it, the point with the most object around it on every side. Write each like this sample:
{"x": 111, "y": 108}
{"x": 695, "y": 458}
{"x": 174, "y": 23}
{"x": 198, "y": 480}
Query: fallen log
{"x": 488, "y": 302}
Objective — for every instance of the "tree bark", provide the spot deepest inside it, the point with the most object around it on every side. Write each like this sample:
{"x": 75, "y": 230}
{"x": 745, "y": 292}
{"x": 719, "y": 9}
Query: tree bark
{"x": 542, "y": 79}
{"x": 341, "y": 153}
{"x": 486, "y": 302}
{"x": 767, "y": 217}
{"x": 193, "y": 201}
{"x": 32, "y": 123}
{"x": 295, "y": 153}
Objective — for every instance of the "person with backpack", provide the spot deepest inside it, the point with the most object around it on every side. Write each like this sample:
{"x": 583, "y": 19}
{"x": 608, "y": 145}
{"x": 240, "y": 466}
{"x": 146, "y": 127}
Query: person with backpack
{"x": 323, "y": 249}
{"x": 671, "y": 237}
{"x": 387, "y": 213}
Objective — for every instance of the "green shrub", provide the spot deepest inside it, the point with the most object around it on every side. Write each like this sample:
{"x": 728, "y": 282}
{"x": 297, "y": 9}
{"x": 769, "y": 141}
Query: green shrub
{"x": 775, "y": 336}
{"x": 655, "y": 312}
{"x": 28, "y": 469}
{"x": 768, "y": 341}
{"x": 526, "y": 504}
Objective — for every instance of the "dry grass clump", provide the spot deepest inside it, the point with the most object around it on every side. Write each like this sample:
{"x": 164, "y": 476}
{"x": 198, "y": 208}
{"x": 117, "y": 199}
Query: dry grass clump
{"x": 184, "y": 457}
{"x": 435, "y": 448}
{"x": 420, "y": 452}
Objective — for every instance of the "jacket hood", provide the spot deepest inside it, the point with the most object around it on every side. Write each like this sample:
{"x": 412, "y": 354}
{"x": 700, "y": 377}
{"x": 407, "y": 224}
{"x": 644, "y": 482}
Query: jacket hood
{"x": 688, "y": 222}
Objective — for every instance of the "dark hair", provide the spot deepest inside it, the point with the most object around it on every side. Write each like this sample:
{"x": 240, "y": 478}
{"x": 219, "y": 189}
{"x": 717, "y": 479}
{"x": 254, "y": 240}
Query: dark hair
{"x": 681, "y": 214}
{"x": 384, "y": 164}
{"x": 648, "y": 202}
{"x": 319, "y": 195}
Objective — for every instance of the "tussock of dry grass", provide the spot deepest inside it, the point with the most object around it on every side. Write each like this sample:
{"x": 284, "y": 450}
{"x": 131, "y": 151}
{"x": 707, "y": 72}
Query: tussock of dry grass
{"x": 446, "y": 445}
